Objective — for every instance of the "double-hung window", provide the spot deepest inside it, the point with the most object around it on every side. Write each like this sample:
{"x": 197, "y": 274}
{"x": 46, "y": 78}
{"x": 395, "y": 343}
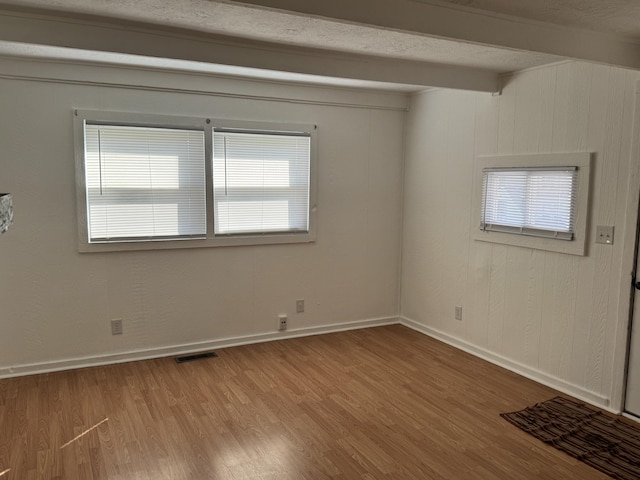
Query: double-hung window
{"x": 536, "y": 201}
{"x": 168, "y": 182}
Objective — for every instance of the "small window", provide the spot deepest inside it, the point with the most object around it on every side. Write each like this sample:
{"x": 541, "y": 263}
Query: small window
{"x": 149, "y": 181}
{"x": 530, "y": 201}
{"x": 534, "y": 201}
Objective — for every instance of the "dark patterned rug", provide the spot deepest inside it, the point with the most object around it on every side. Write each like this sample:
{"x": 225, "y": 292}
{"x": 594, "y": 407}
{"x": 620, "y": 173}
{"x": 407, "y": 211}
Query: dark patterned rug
{"x": 601, "y": 441}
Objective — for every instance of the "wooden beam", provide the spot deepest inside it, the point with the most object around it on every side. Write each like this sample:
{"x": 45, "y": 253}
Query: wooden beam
{"x": 457, "y": 23}
{"x": 142, "y": 39}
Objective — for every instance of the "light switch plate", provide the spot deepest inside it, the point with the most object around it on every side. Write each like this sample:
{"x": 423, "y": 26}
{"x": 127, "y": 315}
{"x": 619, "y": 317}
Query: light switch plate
{"x": 604, "y": 235}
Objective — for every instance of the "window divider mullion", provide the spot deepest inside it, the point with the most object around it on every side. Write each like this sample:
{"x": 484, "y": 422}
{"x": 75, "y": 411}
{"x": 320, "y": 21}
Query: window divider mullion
{"x": 208, "y": 170}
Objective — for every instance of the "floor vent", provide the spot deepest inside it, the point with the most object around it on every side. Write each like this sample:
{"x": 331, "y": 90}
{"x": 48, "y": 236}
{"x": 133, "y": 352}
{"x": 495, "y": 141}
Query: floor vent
{"x": 195, "y": 356}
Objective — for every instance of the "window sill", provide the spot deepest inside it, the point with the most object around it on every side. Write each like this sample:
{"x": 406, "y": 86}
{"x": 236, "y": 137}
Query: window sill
{"x": 231, "y": 241}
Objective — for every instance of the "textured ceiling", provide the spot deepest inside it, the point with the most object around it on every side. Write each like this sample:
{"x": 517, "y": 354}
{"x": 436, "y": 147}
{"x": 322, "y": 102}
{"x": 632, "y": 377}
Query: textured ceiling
{"x": 211, "y": 16}
{"x": 610, "y": 16}
{"x": 512, "y": 25}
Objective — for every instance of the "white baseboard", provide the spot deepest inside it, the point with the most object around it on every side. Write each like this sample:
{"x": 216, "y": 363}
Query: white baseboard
{"x": 524, "y": 370}
{"x": 122, "y": 357}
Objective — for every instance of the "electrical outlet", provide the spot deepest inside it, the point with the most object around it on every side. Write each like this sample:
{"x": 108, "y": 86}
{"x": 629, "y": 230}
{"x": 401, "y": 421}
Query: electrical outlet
{"x": 300, "y": 305}
{"x": 458, "y": 312}
{"x": 282, "y": 322}
{"x": 116, "y": 326}
{"x": 604, "y": 235}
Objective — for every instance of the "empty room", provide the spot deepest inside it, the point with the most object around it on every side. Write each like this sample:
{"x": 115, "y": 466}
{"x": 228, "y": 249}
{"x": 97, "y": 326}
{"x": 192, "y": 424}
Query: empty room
{"x": 350, "y": 240}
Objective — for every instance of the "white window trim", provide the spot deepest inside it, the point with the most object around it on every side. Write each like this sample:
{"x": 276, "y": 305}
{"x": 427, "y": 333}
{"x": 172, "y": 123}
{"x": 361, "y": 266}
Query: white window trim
{"x": 207, "y": 125}
{"x": 581, "y": 160}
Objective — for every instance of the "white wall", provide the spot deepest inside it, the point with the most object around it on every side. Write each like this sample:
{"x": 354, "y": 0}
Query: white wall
{"x": 554, "y": 317}
{"x": 56, "y": 304}
{"x": 551, "y": 316}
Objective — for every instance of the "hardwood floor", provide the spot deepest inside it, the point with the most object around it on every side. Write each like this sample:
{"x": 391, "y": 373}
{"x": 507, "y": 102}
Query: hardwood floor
{"x": 380, "y": 403}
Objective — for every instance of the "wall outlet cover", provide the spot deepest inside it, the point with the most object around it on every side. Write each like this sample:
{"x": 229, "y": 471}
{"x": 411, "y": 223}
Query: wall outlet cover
{"x": 282, "y": 322}
{"x": 116, "y": 326}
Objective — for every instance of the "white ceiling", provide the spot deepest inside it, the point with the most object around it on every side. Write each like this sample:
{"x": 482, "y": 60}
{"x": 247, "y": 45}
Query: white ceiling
{"x": 572, "y": 27}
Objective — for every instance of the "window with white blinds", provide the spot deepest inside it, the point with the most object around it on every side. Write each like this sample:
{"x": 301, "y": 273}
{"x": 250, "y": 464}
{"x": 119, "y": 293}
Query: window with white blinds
{"x": 144, "y": 183}
{"x": 261, "y": 182}
{"x": 537, "y": 201}
{"x": 154, "y": 181}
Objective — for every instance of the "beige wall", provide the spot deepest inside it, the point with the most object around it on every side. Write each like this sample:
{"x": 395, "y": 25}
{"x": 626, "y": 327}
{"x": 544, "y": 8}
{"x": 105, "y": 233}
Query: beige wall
{"x": 551, "y": 316}
{"x": 56, "y": 304}
{"x": 554, "y": 317}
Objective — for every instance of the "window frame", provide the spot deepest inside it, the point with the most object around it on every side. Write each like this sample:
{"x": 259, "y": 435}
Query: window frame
{"x": 581, "y": 160}
{"x": 529, "y": 229}
{"x": 207, "y": 125}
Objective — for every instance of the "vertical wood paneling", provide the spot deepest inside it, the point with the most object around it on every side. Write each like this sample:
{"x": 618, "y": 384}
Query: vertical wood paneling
{"x": 435, "y": 238}
{"x": 528, "y": 113}
{"x": 515, "y": 300}
{"x": 572, "y": 113}
{"x": 424, "y": 153}
{"x": 485, "y": 143}
{"x": 547, "y": 108}
{"x": 558, "y": 323}
{"x": 507, "y": 113}
{"x": 498, "y": 273}
{"x": 477, "y": 315}
{"x": 563, "y": 315}
{"x": 548, "y": 311}
{"x": 524, "y": 275}
{"x": 561, "y": 104}
{"x": 627, "y": 210}
{"x": 533, "y": 308}
{"x": 584, "y": 300}
{"x": 628, "y": 83}
{"x": 549, "y": 277}
{"x": 604, "y": 214}
{"x": 547, "y": 270}
{"x": 460, "y": 141}
{"x": 497, "y": 290}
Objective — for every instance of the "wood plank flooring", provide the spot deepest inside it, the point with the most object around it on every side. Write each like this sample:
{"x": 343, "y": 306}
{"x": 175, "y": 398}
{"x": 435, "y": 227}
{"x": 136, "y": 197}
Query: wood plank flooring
{"x": 379, "y": 403}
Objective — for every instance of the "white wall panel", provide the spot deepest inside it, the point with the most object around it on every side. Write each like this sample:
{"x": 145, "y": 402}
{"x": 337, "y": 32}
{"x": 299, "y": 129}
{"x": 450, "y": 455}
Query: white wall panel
{"x": 56, "y": 304}
{"x": 548, "y": 312}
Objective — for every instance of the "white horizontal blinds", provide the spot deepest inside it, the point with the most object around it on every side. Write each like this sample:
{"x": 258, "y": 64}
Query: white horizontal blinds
{"x": 261, "y": 182}
{"x": 530, "y": 201}
{"x": 144, "y": 183}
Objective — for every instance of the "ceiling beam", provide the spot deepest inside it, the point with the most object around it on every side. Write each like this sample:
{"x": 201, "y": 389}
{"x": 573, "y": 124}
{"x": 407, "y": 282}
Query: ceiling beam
{"x": 459, "y": 23}
{"x": 140, "y": 39}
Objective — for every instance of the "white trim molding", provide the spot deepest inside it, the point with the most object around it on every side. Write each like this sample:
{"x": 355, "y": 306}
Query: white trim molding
{"x": 187, "y": 348}
{"x": 166, "y": 80}
{"x": 516, "y": 367}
